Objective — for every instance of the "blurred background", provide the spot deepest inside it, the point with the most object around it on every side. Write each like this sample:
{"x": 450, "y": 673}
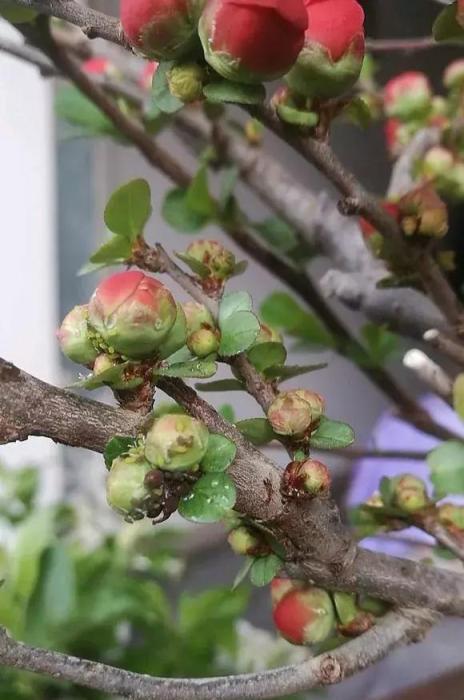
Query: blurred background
{"x": 53, "y": 190}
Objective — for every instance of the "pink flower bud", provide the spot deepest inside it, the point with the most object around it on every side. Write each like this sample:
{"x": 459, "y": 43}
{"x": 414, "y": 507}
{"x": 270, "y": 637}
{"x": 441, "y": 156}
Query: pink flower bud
{"x": 146, "y": 75}
{"x": 132, "y": 313}
{"x": 295, "y": 412}
{"x": 219, "y": 261}
{"x": 309, "y": 477}
{"x": 161, "y": 29}
{"x": 333, "y": 52}
{"x": 252, "y": 40}
{"x": 203, "y": 342}
{"x": 305, "y": 616}
{"x": 453, "y": 77}
{"x": 73, "y": 336}
{"x": 176, "y": 442}
{"x": 408, "y": 96}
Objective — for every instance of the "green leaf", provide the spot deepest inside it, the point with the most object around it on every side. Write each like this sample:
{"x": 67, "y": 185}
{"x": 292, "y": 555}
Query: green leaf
{"x": 358, "y": 112}
{"x": 238, "y": 332}
{"x": 332, "y": 435}
{"x": 209, "y": 500}
{"x": 198, "y": 197}
{"x": 161, "y": 97}
{"x": 380, "y": 345}
{"x": 111, "y": 377}
{"x": 129, "y": 209}
{"x": 227, "y": 412}
{"x": 200, "y": 369}
{"x": 227, "y": 91}
{"x": 179, "y": 215}
{"x": 446, "y": 464}
{"x": 243, "y": 572}
{"x": 116, "y": 250}
{"x": 297, "y": 117}
{"x": 257, "y": 430}
{"x": 73, "y": 107}
{"x": 117, "y": 446}
{"x": 16, "y": 15}
{"x": 458, "y": 395}
{"x": 267, "y": 355}
{"x": 265, "y": 569}
{"x": 282, "y": 311}
{"x": 195, "y": 265}
{"x": 229, "y": 179}
{"x": 277, "y": 233}
{"x": 239, "y": 268}
{"x": 32, "y": 537}
{"x": 221, "y": 385}
{"x": 219, "y": 455}
{"x": 233, "y": 302}
{"x": 291, "y": 371}
{"x": 446, "y": 26}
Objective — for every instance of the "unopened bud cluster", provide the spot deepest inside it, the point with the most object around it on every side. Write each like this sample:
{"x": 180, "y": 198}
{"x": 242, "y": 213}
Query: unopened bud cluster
{"x": 307, "y": 615}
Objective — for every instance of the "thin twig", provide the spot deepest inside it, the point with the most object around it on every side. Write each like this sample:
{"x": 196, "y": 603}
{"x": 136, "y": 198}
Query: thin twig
{"x": 446, "y": 345}
{"x": 429, "y": 372}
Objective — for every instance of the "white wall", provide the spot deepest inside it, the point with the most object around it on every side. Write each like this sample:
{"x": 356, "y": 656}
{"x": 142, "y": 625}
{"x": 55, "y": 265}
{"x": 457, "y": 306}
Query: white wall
{"x": 27, "y": 236}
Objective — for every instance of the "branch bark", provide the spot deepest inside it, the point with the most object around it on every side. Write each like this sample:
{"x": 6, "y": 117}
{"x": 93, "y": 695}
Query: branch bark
{"x": 396, "y": 629}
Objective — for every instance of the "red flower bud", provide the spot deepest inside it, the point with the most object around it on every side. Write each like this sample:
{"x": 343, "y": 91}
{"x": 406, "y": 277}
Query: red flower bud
{"x": 310, "y": 477}
{"x": 252, "y": 40}
{"x": 408, "y": 96}
{"x": 333, "y": 52}
{"x": 305, "y": 616}
{"x": 132, "y": 313}
{"x": 295, "y": 412}
{"x": 146, "y": 75}
{"x": 162, "y": 29}
{"x": 73, "y": 336}
{"x": 281, "y": 586}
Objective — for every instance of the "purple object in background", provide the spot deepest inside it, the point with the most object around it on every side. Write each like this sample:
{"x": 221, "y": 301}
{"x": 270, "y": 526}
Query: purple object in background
{"x": 392, "y": 433}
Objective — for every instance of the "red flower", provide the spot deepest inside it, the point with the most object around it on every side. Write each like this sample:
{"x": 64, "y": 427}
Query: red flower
{"x": 252, "y": 40}
{"x": 337, "y": 25}
{"x": 163, "y": 29}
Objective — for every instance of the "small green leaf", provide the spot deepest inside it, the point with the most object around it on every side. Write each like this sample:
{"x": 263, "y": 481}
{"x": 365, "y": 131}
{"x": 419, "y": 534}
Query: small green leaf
{"x": 161, "y": 97}
{"x": 209, "y": 500}
{"x": 129, "y": 209}
{"x": 233, "y": 302}
{"x": 297, "y": 117}
{"x": 117, "y": 446}
{"x": 228, "y": 181}
{"x": 265, "y": 569}
{"x": 267, "y": 355}
{"x": 195, "y": 265}
{"x": 219, "y": 455}
{"x": 198, "y": 198}
{"x": 32, "y": 537}
{"x": 227, "y": 91}
{"x": 446, "y": 464}
{"x": 243, "y": 572}
{"x": 291, "y": 371}
{"x": 227, "y": 412}
{"x": 332, "y": 435}
{"x": 358, "y": 112}
{"x": 15, "y": 14}
{"x": 238, "y": 332}
{"x": 112, "y": 376}
{"x": 277, "y": 233}
{"x": 116, "y": 250}
{"x": 447, "y": 27}
{"x": 257, "y": 430}
{"x": 387, "y": 490}
{"x": 282, "y": 311}
{"x": 72, "y": 106}
{"x": 458, "y": 395}
{"x": 380, "y": 345}
{"x": 221, "y": 385}
{"x": 240, "y": 268}
{"x": 194, "y": 369}
{"x": 179, "y": 215}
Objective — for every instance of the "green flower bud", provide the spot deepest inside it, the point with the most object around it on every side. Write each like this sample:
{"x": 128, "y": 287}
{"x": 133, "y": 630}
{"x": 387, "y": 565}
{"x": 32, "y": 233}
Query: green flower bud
{"x": 219, "y": 261}
{"x": 410, "y": 493}
{"x": 132, "y": 313}
{"x": 74, "y": 339}
{"x": 305, "y": 616}
{"x": 309, "y": 477}
{"x": 176, "y": 442}
{"x": 186, "y": 82}
{"x": 244, "y": 542}
{"x": 296, "y": 412}
{"x": 197, "y": 316}
{"x": 203, "y": 342}
{"x": 127, "y": 491}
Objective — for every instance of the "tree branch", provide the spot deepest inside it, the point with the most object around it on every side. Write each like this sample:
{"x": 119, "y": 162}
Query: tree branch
{"x": 396, "y": 629}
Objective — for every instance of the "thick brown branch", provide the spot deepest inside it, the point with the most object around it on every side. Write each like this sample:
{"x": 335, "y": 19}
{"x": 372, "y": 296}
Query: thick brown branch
{"x": 396, "y": 629}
